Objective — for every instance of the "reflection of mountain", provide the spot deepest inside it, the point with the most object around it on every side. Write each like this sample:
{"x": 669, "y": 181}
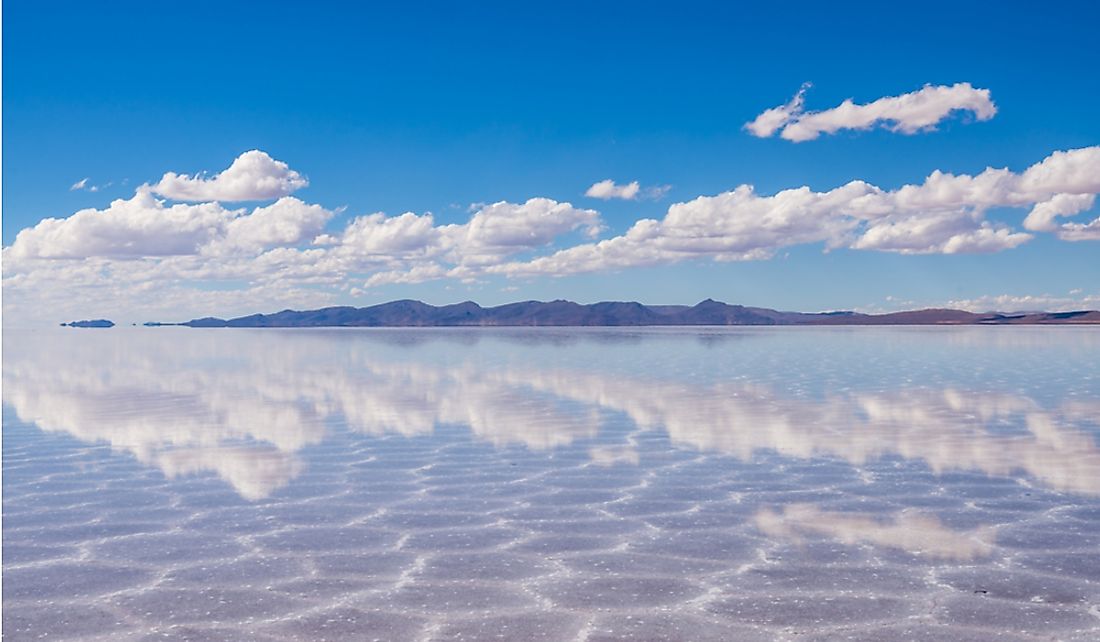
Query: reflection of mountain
{"x": 243, "y": 404}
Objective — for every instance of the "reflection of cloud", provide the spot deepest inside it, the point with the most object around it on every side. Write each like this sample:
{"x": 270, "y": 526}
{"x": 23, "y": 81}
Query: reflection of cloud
{"x": 414, "y": 397}
{"x": 248, "y": 442}
{"x": 243, "y": 403}
{"x": 611, "y": 455}
{"x": 946, "y": 429}
{"x": 912, "y": 532}
{"x": 253, "y": 471}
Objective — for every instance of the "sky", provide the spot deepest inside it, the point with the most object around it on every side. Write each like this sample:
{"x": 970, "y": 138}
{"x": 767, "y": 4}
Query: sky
{"x": 168, "y": 161}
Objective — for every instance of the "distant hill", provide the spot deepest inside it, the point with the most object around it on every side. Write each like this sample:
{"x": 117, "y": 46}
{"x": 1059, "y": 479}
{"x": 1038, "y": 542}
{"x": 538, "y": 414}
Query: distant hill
{"x": 93, "y": 323}
{"x": 408, "y": 313}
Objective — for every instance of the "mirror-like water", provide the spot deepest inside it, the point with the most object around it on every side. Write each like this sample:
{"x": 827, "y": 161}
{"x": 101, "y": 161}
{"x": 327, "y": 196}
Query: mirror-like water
{"x": 552, "y": 484}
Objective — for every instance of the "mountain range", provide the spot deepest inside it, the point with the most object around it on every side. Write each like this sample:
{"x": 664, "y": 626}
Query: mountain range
{"x": 409, "y": 313}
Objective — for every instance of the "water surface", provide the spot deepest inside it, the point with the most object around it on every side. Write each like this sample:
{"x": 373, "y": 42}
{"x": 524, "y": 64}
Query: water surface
{"x": 552, "y": 484}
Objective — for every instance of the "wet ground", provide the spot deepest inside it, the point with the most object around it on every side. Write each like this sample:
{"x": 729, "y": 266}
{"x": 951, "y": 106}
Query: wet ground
{"x": 552, "y": 484}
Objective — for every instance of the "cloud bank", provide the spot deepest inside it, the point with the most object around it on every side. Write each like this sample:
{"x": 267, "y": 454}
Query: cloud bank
{"x": 945, "y": 214}
{"x": 909, "y": 113}
{"x": 161, "y": 255}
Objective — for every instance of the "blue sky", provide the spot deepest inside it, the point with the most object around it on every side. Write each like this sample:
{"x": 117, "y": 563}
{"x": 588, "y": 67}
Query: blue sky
{"x": 438, "y": 107}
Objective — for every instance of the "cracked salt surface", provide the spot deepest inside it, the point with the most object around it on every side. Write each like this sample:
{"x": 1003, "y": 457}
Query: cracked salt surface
{"x": 552, "y": 484}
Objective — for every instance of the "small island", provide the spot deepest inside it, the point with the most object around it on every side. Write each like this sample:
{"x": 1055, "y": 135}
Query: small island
{"x": 90, "y": 323}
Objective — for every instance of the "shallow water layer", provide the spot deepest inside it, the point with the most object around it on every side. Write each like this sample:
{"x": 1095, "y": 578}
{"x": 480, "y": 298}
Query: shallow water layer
{"x": 552, "y": 484}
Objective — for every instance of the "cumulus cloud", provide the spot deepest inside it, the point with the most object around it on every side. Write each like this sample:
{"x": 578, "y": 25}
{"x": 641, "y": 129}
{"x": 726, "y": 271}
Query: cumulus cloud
{"x": 504, "y": 228}
{"x": 494, "y": 232}
{"x": 909, "y": 113}
{"x": 632, "y": 191}
{"x": 387, "y": 236}
{"x": 1043, "y": 217}
{"x": 946, "y": 233}
{"x": 944, "y": 214}
{"x": 412, "y": 248}
{"x": 253, "y": 176}
{"x": 287, "y": 221}
{"x": 146, "y": 253}
{"x": 138, "y": 226}
{"x": 145, "y": 226}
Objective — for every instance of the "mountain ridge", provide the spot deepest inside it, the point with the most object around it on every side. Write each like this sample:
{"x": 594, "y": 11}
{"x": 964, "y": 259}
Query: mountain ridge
{"x": 562, "y": 313}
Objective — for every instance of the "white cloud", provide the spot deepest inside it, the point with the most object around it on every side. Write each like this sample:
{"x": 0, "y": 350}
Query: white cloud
{"x": 159, "y": 259}
{"x": 608, "y": 189}
{"x": 84, "y": 185}
{"x": 253, "y": 176}
{"x": 504, "y": 228}
{"x": 945, "y": 214}
{"x": 287, "y": 221}
{"x": 144, "y": 226}
{"x": 416, "y": 274}
{"x": 417, "y": 251}
{"x": 149, "y": 255}
{"x": 772, "y": 120}
{"x": 947, "y": 233}
{"x": 41, "y": 291}
{"x": 656, "y": 192}
{"x": 632, "y": 191}
{"x": 1043, "y": 216}
{"x": 378, "y": 235}
{"x": 1081, "y": 231}
{"x": 139, "y": 226}
{"x": 493, "y": 231}
{"x": 411, "y": 248}
{"x": 909, "y": 113}
{"x": 1075, "y": 300}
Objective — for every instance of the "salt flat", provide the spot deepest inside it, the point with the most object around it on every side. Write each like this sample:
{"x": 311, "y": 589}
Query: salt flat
{"x": 552, "y": 484}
